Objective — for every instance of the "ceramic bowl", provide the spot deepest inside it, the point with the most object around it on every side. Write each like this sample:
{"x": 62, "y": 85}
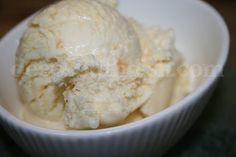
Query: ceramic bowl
{"x": 201, "y": 35}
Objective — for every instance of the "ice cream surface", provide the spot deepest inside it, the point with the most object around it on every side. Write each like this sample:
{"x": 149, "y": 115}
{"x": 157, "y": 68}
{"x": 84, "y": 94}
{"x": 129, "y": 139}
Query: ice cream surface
{"x": 82, "y": 65}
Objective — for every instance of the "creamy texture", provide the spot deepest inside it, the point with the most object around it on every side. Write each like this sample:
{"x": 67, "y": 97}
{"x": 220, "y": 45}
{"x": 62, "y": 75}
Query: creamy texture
{"x": 112, "y": 3}
{"x": 82, "y": 65}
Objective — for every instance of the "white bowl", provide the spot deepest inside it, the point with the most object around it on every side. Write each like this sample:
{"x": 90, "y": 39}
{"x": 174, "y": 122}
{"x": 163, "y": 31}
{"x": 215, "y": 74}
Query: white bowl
{"x": 203, "y": 38}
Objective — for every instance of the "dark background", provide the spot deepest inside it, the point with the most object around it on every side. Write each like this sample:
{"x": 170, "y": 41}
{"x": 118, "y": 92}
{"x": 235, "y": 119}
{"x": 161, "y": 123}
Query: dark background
{"x": 13, "y": 11}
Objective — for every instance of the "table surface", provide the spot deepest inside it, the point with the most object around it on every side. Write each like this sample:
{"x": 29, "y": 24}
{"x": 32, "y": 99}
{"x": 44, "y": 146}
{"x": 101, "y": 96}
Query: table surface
{"x": 214, "y": 133}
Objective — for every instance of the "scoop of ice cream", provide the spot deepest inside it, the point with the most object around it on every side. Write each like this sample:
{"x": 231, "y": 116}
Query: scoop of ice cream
{"x": 82, "y": 65}
{"x": 163, "y": 59}
{"x": 80, "y": 61}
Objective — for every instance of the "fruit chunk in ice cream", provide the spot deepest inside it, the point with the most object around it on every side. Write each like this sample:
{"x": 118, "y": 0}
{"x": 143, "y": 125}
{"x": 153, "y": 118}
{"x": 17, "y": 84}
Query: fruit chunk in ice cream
{"x": 82, "y": 65}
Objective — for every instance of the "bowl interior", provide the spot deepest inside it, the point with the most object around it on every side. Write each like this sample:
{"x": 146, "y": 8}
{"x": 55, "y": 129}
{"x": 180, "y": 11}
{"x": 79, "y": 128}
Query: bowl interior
{"x": 199, "y": 36}
{"x": 198, "y": 32}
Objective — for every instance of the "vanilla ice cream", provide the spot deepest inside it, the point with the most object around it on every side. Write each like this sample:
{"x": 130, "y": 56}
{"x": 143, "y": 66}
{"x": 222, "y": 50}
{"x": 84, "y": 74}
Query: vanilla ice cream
{"x": 82, "y": 65}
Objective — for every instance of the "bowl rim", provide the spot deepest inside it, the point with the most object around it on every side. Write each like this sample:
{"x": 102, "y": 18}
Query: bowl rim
{"x": 7, "y": 116}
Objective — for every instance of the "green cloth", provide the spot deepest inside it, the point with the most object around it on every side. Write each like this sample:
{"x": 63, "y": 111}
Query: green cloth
{"x": 213, "y": 135}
